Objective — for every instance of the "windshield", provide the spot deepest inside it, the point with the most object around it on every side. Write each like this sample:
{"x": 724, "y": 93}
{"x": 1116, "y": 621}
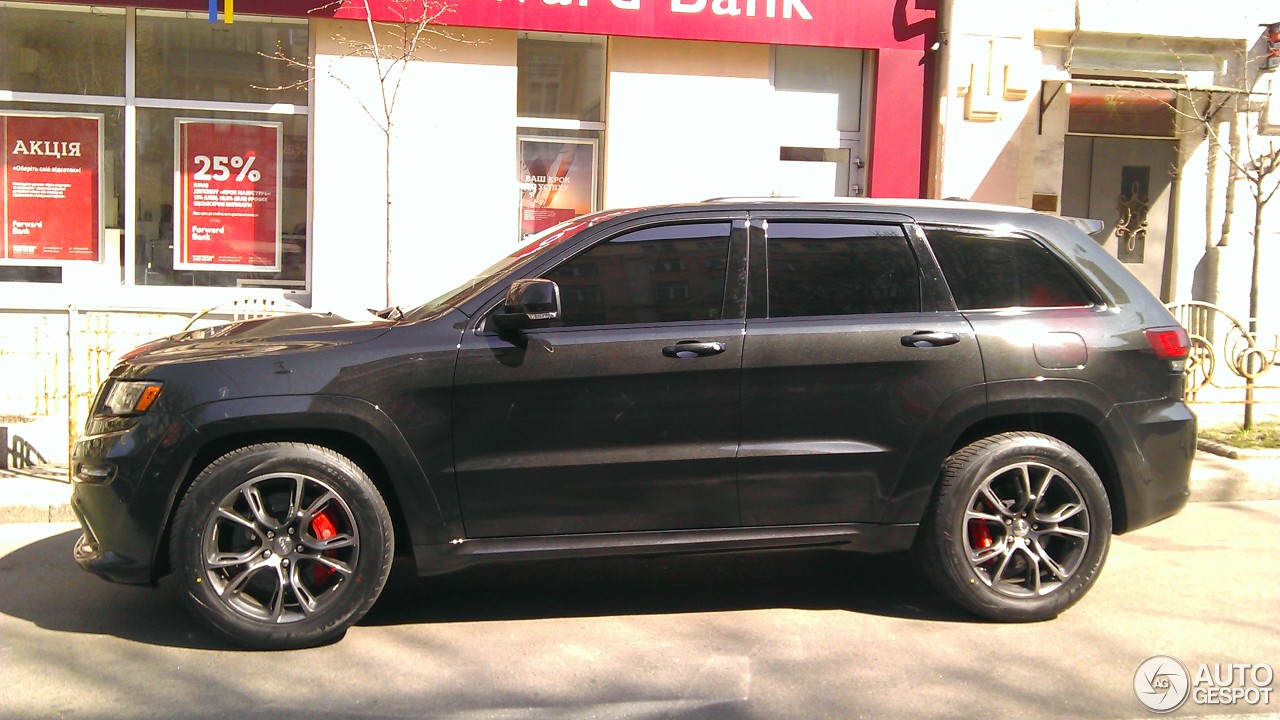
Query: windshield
{"x": 531, "y": 249}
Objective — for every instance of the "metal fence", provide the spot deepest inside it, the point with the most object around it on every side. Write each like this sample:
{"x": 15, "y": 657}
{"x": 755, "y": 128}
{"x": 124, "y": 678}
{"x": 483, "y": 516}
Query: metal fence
{"x": 53, "y": 361}
{"x": 1225, "y": 353}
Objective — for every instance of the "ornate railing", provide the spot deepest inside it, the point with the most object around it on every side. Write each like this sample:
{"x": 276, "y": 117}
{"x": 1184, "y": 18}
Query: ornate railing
{"x": 1221, "y": 340}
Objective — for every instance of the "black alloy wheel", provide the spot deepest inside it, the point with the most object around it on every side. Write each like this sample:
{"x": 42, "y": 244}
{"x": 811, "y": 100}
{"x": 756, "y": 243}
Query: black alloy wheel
{"x": 282, "y": 545}
{"x": 1018, "y": 529}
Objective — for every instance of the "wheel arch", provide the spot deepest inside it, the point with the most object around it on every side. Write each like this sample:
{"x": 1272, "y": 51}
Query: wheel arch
{"x": 1074, "y": 430}
{"x": 218, "y": 430}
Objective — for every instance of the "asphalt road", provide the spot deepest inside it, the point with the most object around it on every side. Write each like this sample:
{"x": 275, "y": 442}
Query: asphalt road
{"x": 812, "y": 635}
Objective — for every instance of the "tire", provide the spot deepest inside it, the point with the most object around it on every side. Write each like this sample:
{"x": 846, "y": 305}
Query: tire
{"x": 1018, "y": 528}
{"x": 281, "y": 545}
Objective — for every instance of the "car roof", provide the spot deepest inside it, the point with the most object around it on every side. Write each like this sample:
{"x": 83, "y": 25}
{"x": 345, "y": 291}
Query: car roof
{"x": 870, "y": 203}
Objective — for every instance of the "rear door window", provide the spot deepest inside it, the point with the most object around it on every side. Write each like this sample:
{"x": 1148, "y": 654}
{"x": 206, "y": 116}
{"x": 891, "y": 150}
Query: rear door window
{"x": 833, "y": 268}
{"x": 993, "y": 271}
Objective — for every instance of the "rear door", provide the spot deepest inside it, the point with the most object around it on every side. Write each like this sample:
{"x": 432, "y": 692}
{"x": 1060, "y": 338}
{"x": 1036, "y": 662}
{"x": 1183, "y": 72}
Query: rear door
{"x": 626, "y": 418}
{"x": 847, "y": 359}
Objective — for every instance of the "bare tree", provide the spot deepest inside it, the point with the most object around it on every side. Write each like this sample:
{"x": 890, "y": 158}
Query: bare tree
{"x": 409, "y": 34}
{"x": 1251, "y": 159}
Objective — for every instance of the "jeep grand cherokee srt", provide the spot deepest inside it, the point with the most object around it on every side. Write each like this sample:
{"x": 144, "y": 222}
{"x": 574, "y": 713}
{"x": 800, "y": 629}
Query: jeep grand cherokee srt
{"x": 985, "y": 386}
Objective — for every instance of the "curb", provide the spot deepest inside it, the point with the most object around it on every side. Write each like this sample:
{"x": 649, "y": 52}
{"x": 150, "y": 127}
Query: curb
{"x": 54, "y": 513}
{"x": 1214, "y": 447}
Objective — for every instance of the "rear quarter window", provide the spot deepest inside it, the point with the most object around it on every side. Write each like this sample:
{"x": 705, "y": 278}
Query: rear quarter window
{"x": 991, "y": 271}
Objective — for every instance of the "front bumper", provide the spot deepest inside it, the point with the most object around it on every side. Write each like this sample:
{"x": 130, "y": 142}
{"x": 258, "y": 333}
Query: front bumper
{"x": 124, "y": 483}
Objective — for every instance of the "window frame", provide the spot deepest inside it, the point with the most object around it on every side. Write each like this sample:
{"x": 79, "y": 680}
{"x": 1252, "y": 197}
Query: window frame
{"x": 735, "y": 282}
{"x": 760, "y": 275}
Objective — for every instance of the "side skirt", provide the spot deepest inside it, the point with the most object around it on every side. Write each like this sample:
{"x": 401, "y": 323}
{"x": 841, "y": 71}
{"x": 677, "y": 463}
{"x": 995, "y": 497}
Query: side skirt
{"x": 856, "y": 537}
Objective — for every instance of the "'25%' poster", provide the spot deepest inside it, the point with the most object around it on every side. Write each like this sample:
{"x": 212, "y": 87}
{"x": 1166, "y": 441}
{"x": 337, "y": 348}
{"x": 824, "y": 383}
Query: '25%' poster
{"x": 227, "y": 191}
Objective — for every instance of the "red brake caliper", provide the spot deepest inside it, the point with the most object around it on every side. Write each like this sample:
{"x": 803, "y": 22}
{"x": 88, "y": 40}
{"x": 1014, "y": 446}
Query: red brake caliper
{"x": 322, "y": 528}
{"x": 980, "y": 534}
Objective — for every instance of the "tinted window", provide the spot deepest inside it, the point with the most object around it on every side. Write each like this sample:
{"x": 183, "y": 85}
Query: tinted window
{"x": 993, "y": 271}
{"x": 668, "y": 273}
{"x": 840, "y": 269}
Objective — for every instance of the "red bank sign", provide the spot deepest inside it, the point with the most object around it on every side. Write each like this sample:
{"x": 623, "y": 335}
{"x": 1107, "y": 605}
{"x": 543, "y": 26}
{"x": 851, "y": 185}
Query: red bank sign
{"x": 902, "y": 24}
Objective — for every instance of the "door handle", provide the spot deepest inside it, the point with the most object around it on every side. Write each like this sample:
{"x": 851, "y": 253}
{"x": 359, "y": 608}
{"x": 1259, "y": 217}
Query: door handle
{"x": 693, "y": 348}
{"x": 928, "y": 338}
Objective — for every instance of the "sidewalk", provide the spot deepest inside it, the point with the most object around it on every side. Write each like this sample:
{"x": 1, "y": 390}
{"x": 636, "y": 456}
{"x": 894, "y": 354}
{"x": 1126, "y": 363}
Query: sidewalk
{"x": 38, "y": 494}
{"x": 42, "y": 494}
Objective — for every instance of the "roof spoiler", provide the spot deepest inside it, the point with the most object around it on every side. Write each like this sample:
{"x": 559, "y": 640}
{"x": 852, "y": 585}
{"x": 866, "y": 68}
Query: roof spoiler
{"x": 1088, "y": 225}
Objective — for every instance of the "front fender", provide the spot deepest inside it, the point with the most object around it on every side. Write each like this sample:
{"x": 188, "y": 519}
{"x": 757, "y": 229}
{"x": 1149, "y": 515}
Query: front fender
{"x": 297, "y": 416}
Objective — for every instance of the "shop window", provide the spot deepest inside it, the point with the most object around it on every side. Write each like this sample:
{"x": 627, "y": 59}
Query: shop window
{"x": 181, "y": 58}
{"x": 841, "y": 269}
{"x": 560, "y": 79}
{"x": 207, "y": 109}
{"x": 157, "y": 260}
{"x": 84, "y": 235}
{"x": 559, "y": 98}
{"x": 62, "y": 50}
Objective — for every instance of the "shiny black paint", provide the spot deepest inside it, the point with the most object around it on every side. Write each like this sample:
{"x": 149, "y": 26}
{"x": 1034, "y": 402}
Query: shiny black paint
{"x": 581, "y": 441}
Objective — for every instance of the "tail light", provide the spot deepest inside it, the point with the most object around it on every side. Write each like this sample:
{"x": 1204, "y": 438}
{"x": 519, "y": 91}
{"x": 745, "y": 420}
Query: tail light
{"x": 1170, "y": 343}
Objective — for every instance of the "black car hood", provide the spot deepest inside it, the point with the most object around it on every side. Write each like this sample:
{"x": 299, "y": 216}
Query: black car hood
{"x": 264, "y": 336}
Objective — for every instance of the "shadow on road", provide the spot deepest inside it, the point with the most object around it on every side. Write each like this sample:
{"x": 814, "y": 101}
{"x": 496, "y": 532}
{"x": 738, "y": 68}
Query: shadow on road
{"x": 889, "y": 585}
{"x": 40, "y": 583}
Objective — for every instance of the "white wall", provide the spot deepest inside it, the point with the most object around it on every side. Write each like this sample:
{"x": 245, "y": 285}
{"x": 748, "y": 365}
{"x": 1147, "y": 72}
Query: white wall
{"x": 993, "y": 159}
{"x": 452, "y": 168}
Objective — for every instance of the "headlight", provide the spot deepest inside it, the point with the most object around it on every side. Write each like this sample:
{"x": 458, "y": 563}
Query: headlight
{"x": 129, "y": 397}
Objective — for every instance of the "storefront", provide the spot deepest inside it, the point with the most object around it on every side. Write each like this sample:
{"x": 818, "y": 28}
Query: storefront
{"x": 161, "y": 160}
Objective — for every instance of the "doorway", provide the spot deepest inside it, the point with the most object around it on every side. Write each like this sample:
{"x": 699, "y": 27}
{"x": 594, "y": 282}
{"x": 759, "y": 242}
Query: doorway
{"x": 1128, "y": 184}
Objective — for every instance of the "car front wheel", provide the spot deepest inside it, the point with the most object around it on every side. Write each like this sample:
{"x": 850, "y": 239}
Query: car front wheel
{"x": 281, "y": 545}
{"x": 1018, "y": 529}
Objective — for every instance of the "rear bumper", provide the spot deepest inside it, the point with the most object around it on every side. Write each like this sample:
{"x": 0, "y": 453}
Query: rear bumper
{"x": 1155, "y": 468}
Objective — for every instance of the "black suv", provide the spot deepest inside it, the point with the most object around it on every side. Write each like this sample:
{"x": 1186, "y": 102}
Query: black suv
{"x": 984, "y": 386}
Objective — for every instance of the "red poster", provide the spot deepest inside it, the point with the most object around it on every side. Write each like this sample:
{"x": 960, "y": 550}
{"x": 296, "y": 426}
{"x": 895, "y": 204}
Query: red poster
{"x": 228, "y": 193}
{"x": 557, "y": 177}
{"x": 50, "y": 210}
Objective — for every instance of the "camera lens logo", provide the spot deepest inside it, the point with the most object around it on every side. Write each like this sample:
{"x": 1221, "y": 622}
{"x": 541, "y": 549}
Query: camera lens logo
{"x": 1162, "y": 684}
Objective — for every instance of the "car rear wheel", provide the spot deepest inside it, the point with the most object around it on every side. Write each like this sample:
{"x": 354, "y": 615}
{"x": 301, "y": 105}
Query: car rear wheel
{"x": 1018, "y": 529}
{"x": 281, "y": 545}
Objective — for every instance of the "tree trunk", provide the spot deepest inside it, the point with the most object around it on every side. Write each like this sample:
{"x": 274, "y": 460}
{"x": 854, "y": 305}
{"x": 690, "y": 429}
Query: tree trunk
{"x": 1259, "y": 203}
{"x": 386, "y": 179}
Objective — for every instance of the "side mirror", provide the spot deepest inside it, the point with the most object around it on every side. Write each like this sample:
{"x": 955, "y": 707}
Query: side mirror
{"x": 529, "y": 303}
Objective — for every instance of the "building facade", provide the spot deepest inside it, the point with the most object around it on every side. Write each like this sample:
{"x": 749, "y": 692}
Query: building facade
{"x": 1126, "y": 113}
{"x": 164, "y": 157}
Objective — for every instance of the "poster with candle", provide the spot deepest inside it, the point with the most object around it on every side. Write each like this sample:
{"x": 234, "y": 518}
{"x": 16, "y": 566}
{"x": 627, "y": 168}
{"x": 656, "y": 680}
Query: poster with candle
{"x": 557, "y": 178}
